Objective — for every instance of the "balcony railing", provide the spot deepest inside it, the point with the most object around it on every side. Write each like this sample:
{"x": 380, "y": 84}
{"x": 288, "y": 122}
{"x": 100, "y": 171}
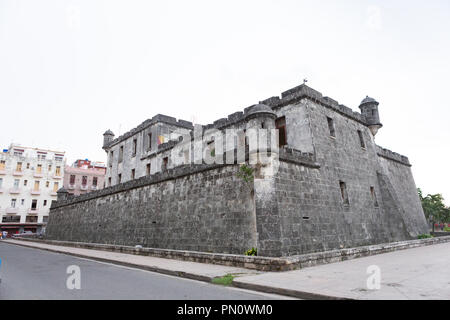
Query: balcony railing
{"x": 12, "y": 210}
{"x": 2, "y": 171}
{"x": 14, "y": 191}
{"x": 84, "y": 187}
{"x": 18, "y": 173}
{"x": 94, "y": 187}
{"x": 71, "y": 187}
{"x": 36, "y": 192}
{"x": 57, "y": 176}
{"x": 38, "y": 175}
{"x": 33, "y": 211}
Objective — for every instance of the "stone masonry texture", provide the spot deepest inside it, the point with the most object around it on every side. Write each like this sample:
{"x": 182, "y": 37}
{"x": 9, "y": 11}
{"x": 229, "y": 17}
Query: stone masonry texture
{"x": 298, "y": 210}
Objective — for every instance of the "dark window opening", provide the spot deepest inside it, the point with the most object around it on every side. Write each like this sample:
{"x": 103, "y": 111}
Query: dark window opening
{"x": 148, "y": 168}
{"x": 361, "y": 139}
{"x": 331, "y": 127}
{"x": 34, "y": 204}
{"x": 109, "y": 182}
{"x": 133, "y": 174}
{"x": 344, "y": 194}
{"x": 72, "y": 179}
{"x": 121, "y": 154}
{"x": 94, "y": 181}
{"x": 165, "y": 163}
{"x": 84, "y": 181}
{"x": 119, "y": 178}
{"x": 149, "y": 143}
{"x": 374, "y": 196}
{"x": 134, "y": 147}
{"x": 280, "y": 124}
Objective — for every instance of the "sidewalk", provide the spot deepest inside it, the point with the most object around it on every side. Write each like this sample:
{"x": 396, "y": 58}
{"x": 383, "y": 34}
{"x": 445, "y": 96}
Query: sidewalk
{"x": 417, "y": 273}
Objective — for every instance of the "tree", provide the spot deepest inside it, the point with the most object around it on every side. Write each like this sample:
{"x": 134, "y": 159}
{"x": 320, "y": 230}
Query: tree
{"x": 434, "y": 208}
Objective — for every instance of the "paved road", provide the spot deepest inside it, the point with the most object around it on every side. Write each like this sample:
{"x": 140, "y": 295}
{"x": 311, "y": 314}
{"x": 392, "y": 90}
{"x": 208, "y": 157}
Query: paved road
{"x": 36, "y": 274}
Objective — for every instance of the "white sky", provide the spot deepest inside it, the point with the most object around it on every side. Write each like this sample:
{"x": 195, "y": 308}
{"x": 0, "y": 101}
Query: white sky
{"x": 69, "y": 70}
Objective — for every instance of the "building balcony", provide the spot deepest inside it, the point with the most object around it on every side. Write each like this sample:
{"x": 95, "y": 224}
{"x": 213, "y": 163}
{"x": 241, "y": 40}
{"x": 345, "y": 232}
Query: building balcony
{"x": 54, "y": 193}
{"x": 18, "y": 173}
{"x": 84, "y": 187}
{"x": 2, "y": 172}
{"x": 71, "y": 187}
{"x": 1, "y": 190}
{"x": 33, "y": 211}
{"x": 57, "y": 176}
{"x": 35, "y": 192}
{"x": 94, "y": 188}
{"x": 12, "y": 210}
{"x": 38, "y": 175}
{"x": 14, "y": 191}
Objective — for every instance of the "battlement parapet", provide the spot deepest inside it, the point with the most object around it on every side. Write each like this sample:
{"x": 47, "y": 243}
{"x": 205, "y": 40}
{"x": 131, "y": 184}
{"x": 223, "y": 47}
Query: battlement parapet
{"x": 388, "y": 154}
{"x": 156, "y": 119}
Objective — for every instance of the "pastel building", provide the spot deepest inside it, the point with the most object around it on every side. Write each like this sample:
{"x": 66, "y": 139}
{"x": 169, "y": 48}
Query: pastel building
{"x": 84, "y": 176}
{"x": 29, "y": 180}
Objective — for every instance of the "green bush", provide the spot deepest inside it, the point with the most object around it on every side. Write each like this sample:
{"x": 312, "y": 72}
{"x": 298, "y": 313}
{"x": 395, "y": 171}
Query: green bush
{"x": 252, "y": 252}
{"x": 424, "y": 236}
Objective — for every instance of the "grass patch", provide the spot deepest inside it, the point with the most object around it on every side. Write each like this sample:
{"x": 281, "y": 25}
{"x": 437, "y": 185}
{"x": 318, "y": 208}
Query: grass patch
{"x": 224, "y": 281}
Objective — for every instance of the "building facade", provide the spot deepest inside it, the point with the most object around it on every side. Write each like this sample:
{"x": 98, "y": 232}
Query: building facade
{"x": 29, "y": 180}
{"x": 84, "y": 176}
{"x": 327, "y": 186}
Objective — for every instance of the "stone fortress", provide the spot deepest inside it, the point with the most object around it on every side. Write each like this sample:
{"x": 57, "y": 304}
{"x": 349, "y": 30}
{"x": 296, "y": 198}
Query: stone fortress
{"x": 333, "y": 187}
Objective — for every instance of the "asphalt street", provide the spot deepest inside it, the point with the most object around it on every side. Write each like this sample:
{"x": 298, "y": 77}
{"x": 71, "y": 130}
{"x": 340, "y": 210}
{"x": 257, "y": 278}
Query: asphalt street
{"x": 29, "y": 273}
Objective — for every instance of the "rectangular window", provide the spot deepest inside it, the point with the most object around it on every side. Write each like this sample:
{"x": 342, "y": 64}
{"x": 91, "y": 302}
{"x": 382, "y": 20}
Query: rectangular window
{"x": 33, "y": 204}
{"x": 148, "y": 169}
{"x": 39, "y": 169}
{"x": 25, "y": 182}
{"x": 134, "y": 147}
{"x": 19, "y": 166}
{"x": 280, "y": 124}
{"x": 45, "y": 203}
{"x": 94, "y": 181}
{"x": 28, "y": 166}
{"x": 13, "y": 203}
{"x": 109, "y": 182}
{"x": 119, "y": 178}
{"x": 121, "y": 154}
{"x": 133, "y": 174}
{"x": 165, "y": 163}
{"x": 111, "y": 158}
{"x": 36, "y": 186}
{"x": 374, "y": 196}
{"x": 344, "y": 194}
{"x": 84, "y": 181}
{"x": 16, "y": 183}
{"x": 58, "y": 171}
{"x": 2, "y": 164}
{"x": 72, "y": 179}
{"x": 22, "y": 202}
{"x": 55, "y": 186}
{"x": 59, "y": 158}
{"x": 361, "y": 139}
{"x": 47, "y": 184}
{"x": 331, "y": 127}
{"x": 49, "y": 167}
{"x": 149, "y": 141}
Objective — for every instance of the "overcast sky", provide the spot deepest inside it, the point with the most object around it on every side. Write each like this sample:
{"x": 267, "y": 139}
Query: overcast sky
{"x": 69, "y": 70}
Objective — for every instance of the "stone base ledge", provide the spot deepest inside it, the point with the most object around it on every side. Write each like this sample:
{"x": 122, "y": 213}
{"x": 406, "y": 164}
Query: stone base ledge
{"x": 251, "y": 262}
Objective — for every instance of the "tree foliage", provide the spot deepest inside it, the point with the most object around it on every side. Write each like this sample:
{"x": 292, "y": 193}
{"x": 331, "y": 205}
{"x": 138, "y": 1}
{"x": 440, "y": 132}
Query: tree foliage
{"x": 434, "y": 207}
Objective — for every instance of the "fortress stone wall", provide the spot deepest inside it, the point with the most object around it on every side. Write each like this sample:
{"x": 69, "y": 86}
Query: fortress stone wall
{"x": 333, "y": 188}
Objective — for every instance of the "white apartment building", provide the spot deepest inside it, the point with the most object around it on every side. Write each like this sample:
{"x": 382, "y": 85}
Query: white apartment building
{"x": 29, "y": 180}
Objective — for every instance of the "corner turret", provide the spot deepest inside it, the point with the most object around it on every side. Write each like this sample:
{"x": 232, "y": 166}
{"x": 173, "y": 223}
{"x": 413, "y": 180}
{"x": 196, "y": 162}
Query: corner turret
{"x": 369, "y": 109}
{"x": 108, "y": 136}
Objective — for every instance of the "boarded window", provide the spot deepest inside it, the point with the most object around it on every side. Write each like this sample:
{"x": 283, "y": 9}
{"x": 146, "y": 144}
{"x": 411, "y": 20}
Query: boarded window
{"x": 331, "y": 127}
{"x": 361, "y": 139}
{"x": 280, "y": 124}
{"x": 344, "y": 194}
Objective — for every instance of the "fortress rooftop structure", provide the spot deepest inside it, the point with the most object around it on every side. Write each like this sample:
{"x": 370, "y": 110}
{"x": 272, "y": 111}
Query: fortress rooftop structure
{"x": 332, "y": 186}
